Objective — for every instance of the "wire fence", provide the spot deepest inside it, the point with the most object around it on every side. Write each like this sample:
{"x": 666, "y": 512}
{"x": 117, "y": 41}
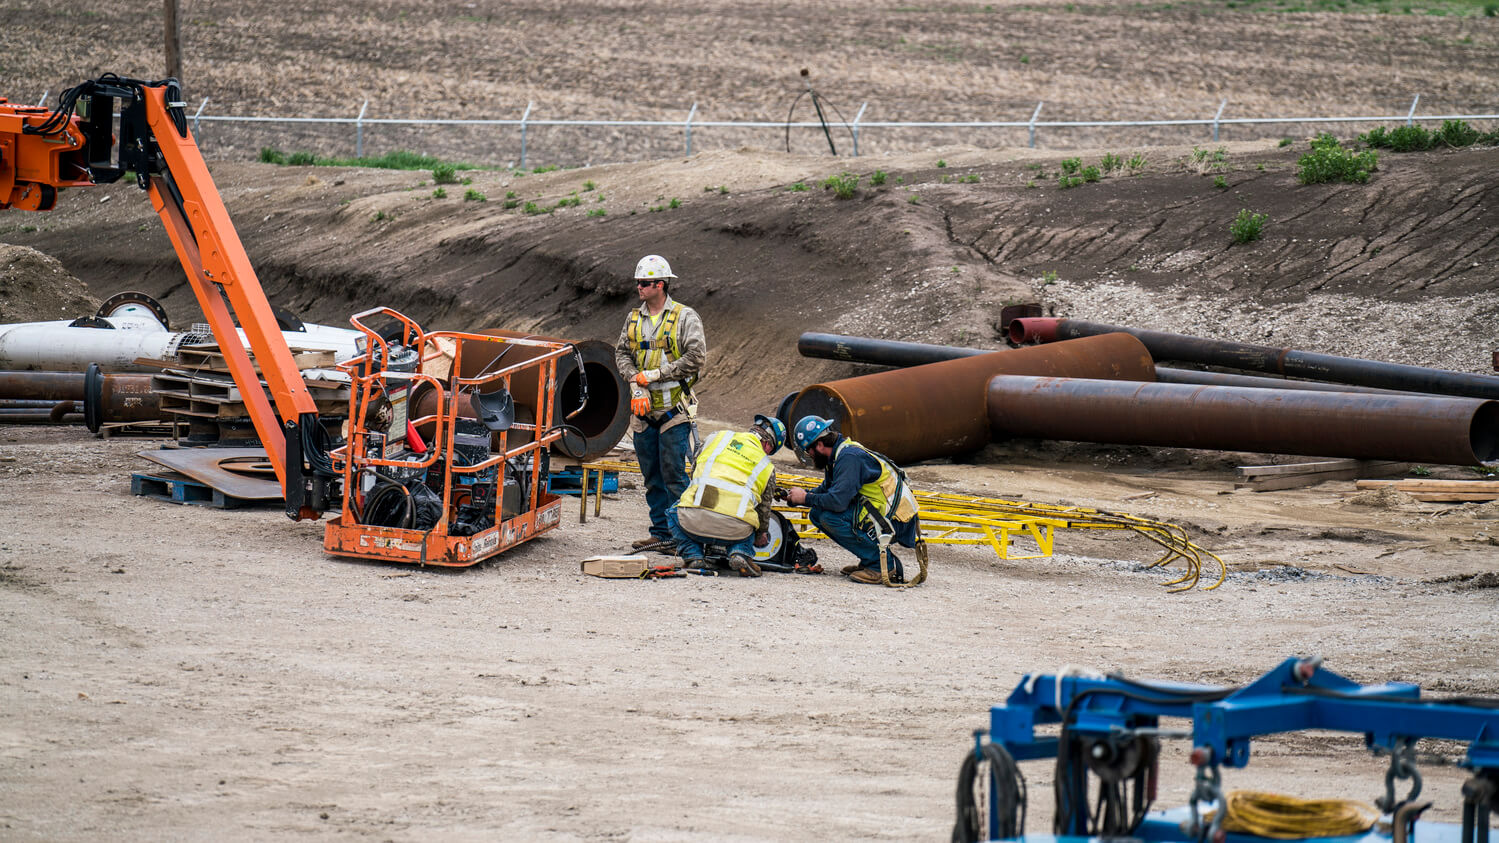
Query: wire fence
{"x": 524, "y": 139}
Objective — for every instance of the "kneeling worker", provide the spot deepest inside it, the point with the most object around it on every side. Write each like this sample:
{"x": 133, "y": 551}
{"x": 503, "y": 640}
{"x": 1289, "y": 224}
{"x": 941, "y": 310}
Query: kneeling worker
{"x": 728, "y": 500}
{"x": 862, "y": 497}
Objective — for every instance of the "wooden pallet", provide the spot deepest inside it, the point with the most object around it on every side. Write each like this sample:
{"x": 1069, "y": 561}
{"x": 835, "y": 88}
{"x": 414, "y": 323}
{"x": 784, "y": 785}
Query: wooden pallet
{"x": 177, "y": 488}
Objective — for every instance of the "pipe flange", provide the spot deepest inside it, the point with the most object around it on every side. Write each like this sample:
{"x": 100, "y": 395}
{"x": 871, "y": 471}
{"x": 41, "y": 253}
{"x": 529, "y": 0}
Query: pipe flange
{"x": 133, "y": 302}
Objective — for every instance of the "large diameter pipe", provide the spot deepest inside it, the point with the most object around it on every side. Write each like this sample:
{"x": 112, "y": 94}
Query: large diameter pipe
{"x": 1260, "y": 358}
{"x": 938, "y": 409}
{"x": 879, "y": 352}
{"x": 118, "y": 398}
{"x": 603, "y": 418}
{"x": 59, "y": 346}
{"x": 1408, "y": 428}
{"x": 899, "y": 353}
{"x": 42, "y": 386}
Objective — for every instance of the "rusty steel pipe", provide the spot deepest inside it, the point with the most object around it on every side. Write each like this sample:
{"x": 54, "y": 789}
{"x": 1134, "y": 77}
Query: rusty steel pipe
{"x": 1276, "y": 361}
{"x": 604, "y": 418}
{"x": 1407, "y": 428}
{"x": 118, "y": 398}
{"x": 899, "y": 353}
{"x": 37, "y": 417}
{"x": 879, "y": 352}
{"x": 938, "y": 409}
{"x": 42, "y": 386}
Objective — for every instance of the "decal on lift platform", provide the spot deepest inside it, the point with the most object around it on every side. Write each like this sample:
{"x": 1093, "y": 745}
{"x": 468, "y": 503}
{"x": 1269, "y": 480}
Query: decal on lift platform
{"x": 486, "y": 543}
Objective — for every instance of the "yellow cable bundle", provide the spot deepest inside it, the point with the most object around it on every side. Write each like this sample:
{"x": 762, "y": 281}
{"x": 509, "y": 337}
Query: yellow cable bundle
{"x": 1290, "y": 818}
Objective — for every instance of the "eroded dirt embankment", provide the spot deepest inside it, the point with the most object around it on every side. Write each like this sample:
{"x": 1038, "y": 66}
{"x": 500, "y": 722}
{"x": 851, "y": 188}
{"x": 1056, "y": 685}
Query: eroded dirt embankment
{"x": 932, "y": 254}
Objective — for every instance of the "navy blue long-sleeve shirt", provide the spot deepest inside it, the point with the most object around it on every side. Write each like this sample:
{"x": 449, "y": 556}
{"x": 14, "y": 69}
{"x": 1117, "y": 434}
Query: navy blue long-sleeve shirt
{"x": 842, "y": 478}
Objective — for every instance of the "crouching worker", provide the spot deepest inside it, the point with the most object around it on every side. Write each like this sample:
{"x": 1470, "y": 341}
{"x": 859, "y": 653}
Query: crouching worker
{"x": 728, "y": 499}
{"x": 863, "y": 502}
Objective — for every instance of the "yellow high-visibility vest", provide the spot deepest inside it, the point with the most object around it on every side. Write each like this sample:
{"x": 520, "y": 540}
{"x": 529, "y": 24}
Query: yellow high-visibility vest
{"x": 731, "y": 475}
{"x": 652, "y": 352}
{"x": 880, "y": 493}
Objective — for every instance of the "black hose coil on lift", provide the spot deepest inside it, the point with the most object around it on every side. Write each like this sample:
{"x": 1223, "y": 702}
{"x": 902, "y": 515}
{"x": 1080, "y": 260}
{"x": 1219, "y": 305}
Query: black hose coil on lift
{"x": 1006, "y": 788}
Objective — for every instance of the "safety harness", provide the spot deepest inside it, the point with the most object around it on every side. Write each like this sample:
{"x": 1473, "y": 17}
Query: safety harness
{"x": 651, "y": 352}
{"x": 884, "y": 527}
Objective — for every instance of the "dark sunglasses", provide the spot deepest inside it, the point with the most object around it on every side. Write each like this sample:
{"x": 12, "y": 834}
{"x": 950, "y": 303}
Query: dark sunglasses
{"x": 646, "y": 282}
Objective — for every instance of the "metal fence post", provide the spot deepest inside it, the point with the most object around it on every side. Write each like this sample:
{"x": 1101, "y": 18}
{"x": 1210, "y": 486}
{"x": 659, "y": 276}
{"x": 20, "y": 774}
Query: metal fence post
{"x": 197, "y": 123}
{"x": 43, "y": 101}
{"x": 857, "y": 118}
{"x": 689, "y": 128}
{"x": 523, "y": 118}
{"x": 1034, "y": 115}
{"x": 1221, "y": 106}
{"x": 1410, "y": 118}
{"x": 359, "y": 131}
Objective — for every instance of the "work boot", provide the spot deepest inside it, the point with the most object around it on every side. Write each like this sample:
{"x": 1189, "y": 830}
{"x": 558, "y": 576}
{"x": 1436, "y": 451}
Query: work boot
{"x": 849, "y": 569}
{"x": 744, "y": 565}
{"x": 868, "y": 576}
{"x": 648, "y": 540}
{"x": 697, "y": 563}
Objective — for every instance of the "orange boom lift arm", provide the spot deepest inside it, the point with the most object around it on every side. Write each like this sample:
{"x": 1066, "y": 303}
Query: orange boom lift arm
{"x": 42, "y": 151}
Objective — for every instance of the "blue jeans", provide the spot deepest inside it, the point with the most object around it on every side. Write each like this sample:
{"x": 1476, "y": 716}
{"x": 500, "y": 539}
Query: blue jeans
{"x": 663, "y": 464}
{"x": 690, "y": 545}
{"x": 844, "y": 529}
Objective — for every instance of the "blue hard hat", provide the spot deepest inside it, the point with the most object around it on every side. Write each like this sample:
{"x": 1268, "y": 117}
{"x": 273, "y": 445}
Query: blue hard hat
{"x": 773, "y": 427}
{"x": 809, "y": 429}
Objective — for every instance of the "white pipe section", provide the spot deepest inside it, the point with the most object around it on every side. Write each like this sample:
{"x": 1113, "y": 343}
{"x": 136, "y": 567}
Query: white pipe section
{"x": 57, "y": 347}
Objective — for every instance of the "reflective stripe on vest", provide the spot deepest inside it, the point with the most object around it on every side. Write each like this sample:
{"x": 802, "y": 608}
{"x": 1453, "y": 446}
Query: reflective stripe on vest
{"x": 653, "y": 352}
{"x": 731, "y": 476}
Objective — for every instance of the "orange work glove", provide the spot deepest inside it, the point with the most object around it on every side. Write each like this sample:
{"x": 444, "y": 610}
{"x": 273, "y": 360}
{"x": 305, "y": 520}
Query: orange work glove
{"x": 640, "y": 401}
{"x": 649, "y": 376}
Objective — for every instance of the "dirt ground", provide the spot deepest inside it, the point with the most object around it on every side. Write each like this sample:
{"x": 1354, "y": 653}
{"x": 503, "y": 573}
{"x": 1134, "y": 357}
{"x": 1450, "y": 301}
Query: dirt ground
{"x": 183, "y": 673}
{"x": 180, "y": 672}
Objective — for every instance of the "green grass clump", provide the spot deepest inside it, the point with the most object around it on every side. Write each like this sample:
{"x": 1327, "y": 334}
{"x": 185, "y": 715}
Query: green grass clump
{"x": 399, "y": 159}
{"x": 1330, "y": 162}
{"x": 1220, "y": 182}
{"x": 799, "y": 187}
{"x": 439, "y": 193}
{"x": 511, "y": 203}
{"x": 877, "y": 178}
{"x": 472, "y": 195}
{"x": 1111, "y": 162}
{"x": 569, "y": 202}
{"x": 597, "y": 212}
{"x": 445, "y": 173}
{"x": 843, "y": 185}
{"x": 1247, "y": 226}
{"x": 532, "y": 209}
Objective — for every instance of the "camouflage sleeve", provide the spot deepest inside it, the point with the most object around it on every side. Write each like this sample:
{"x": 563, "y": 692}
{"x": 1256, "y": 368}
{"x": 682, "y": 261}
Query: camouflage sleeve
{"x": 623, "y": 359}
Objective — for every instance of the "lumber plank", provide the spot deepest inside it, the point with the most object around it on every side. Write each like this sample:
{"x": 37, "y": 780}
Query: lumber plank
{"x": 1422, "y": 484}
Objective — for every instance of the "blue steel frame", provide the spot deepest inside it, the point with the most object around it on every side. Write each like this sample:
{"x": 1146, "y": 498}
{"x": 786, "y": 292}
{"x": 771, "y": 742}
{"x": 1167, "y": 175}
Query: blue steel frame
{"x": 1293, "y": 696}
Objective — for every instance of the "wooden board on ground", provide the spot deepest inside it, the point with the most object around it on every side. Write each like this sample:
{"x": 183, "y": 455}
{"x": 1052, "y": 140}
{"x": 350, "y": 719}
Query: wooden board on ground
{"x": 1429, "y": 490}
{"x": 1269, "y": 478}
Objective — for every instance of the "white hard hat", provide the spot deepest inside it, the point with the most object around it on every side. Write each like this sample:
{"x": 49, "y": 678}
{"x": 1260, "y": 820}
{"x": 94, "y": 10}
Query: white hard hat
{"x": 653, "y": 266}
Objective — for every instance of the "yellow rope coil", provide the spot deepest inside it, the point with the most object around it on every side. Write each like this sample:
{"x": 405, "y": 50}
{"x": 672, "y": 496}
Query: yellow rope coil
{"x": 1290, "y": 818}
{"x": 966, "y": 519}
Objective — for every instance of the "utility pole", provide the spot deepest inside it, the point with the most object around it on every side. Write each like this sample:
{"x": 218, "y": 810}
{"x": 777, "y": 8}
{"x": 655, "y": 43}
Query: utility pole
{"x": 174, "y": 43}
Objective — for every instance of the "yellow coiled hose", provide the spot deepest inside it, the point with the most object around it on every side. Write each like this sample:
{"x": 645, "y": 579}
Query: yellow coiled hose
{"x": 1289, "y": 818}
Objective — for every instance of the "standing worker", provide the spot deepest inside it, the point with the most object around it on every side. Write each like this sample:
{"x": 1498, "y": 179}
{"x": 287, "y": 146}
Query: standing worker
{"x": 728, "y": 501}
{"x": 862, "y": 504}
{"x": 661, "y": 353}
